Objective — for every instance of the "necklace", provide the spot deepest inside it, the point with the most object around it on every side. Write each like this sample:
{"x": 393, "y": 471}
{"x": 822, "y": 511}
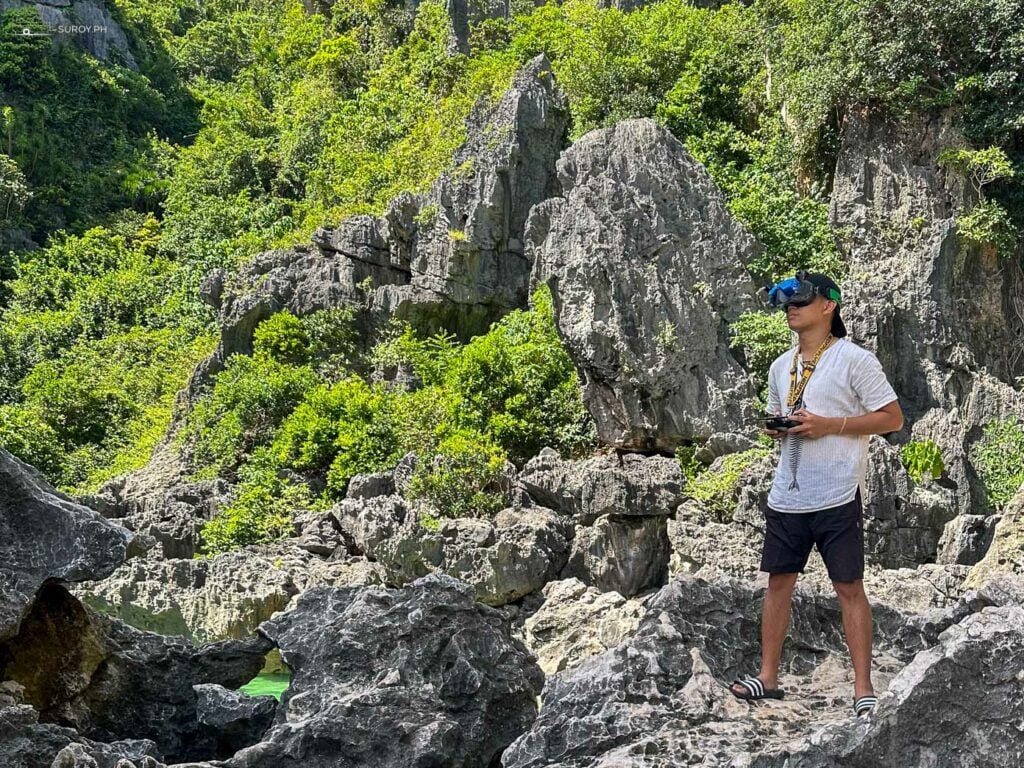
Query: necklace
{"x": 796, "y": 391}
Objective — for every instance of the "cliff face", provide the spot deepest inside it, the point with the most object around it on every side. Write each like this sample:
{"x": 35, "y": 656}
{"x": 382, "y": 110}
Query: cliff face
{"x": 937, "y": 313}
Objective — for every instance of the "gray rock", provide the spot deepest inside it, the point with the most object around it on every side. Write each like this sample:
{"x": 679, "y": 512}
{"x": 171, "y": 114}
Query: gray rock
{"x": 1006, "y": 552}
{"x": 505, "y": 559}
{"x": 232, "y": 720}
{"x": 646, "y": 268}
{"x": 624, "y": 554}
{"x": 958, "y": 704}
{"x": 659, "y": 699}
{"x": 368, "y": 486}
{"x": 410, "y": 677}
{"x": 44, "y": 536}
{"x": 932, "y": 310}
{"x": 966, "y": 539}
{"x": 109, "y": 681}
{"x": 171, "y": 512}
{"x": 623, "y": 484}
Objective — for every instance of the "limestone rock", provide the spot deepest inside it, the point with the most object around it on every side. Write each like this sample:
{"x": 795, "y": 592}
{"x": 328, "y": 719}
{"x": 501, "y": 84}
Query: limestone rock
{"x": 516, "y": 554}
{"x": 620, "y": 553}
{"x": 222, "y": 597}
{"x": 966, "y": 539}
{"x": 408, "y": 263}
{"x": 646, "y": 268}
{"x": 171, "y": 514}
{"x": 45, "y": 535}
{"x": 932, "y": 310}
{"x": 918, "y": 722}
{"x": 1006, "y": 553}
{"x": 415, "y": 676}
{"x": 111, "y": 682}
{"x": 576, "y": 622}
{"x": 231, "y": 720}
{"x": 622, "y": 484}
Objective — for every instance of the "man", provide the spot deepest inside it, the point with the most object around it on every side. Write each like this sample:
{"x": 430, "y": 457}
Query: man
{"x": 835, "y": 396}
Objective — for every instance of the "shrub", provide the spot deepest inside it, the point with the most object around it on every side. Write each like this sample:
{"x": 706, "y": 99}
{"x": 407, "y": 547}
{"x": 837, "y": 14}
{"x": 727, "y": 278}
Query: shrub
{"x": 282, "y": 337}
{"x": 464, "y": 477}
{"x": 249, "y": 400}
{"x": 998, "y": 458}
{"x": 717, "y": 487}
{"x": 763, "y": 336}
{"x": 517, "y": 385}
{"x": 261, "y": 511}
{"x": 923, "y": 460}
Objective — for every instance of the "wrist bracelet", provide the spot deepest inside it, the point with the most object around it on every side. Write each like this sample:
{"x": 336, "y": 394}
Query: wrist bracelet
{"x": 844, "y": 424}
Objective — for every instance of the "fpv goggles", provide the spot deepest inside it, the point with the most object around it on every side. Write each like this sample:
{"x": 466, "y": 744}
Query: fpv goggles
{"x": 798, "y": 291}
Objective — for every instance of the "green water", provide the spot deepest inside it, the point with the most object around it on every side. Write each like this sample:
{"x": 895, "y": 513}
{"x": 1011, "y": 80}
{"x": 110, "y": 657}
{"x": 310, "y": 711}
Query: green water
{"x": 267, "y": 684}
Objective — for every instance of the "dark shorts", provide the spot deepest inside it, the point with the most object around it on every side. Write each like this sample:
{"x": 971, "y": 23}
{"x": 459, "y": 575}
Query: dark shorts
{"x": 838, "y": 533}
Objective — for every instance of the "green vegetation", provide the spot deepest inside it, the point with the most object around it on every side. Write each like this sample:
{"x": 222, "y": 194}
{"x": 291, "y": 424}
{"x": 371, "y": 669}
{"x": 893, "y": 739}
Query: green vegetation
{"x": 279, "y": 428}
{"x": 717, "y": 486}
{"x": 923, "y": 460}
{"x": 998, "y": 457}
{"x": 246, "y": 125}
{"x": 763, "y": 336}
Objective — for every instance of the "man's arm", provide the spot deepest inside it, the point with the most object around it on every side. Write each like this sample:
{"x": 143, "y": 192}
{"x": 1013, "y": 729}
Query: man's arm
{"x": 888, "y": 418}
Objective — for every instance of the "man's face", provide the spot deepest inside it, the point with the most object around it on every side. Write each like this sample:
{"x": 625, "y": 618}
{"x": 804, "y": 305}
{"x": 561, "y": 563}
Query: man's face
{"x": 818, "y": 312}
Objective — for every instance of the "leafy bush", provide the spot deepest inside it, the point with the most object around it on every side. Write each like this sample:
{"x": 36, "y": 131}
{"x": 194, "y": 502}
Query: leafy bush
{"x": 989, "y": 224}
{"x": 763, "y": 336}
{"x": 249, "y": 400}
{"x": 283, "y": 338}
{"x": 923, "y": 460}
{"x": 998, "y": 458}
{"x": 261, "y": 511}
{"x": 717, "y": 487}
{"x": 463, "y": 477}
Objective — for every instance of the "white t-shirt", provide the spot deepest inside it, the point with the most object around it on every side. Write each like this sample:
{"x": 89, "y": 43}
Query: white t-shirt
{"x": 848, "y": 381}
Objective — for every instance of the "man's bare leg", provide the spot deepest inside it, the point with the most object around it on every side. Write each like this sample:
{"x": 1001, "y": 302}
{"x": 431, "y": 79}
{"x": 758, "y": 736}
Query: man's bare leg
{"x": 857, "y": 625}
{"x": 778, "y": 602}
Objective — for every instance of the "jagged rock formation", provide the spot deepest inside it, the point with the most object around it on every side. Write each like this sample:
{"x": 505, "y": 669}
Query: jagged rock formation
{"x": 575, "y": 622}
{"x": 646, "y": 268}
{"x": 937, "y": 314}
{"x": 621, "y": 504}
{"x": 658, "y": 700}
{"x": 230, "y": 720}
{"x": 417, "y": 676}
{"x": 505, "y": 559}
{"x": 450, "y": 258}
{"x": 1005, "y": 554}
{"x": 45, "y": 535}
{"x": 94, "y": 28}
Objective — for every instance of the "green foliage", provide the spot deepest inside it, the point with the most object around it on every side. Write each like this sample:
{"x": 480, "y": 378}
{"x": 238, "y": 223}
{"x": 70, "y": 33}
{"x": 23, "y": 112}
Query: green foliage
{"x": 763, "y": 336}
{"x": 998, "y": 458}
{"x": 249, "y": 400}
{"x": 988, "y": 224}
{"x": 923, "y": 460}
{"x": 260, "y": 512}
{"x": 282, "y": 338}
{"x": 463, "y": 478}
{"x": 717, "y": 487}
{"x": 517, "y": 385}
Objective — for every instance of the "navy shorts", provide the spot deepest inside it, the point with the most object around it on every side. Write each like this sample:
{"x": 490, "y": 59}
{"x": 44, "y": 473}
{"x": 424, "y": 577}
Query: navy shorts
{"x": 838, "y": 533}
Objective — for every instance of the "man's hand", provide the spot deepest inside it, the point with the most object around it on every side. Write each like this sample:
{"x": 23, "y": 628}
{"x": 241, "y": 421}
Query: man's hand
{"x": 775, "y": 434}
{"x": 811, "y": 424}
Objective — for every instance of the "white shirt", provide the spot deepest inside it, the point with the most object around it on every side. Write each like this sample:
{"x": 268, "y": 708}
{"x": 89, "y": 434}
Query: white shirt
{"x": 848, "y": 381}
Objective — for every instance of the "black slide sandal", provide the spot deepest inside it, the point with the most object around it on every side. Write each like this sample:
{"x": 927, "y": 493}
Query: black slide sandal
{"x": 755, "y": 690}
